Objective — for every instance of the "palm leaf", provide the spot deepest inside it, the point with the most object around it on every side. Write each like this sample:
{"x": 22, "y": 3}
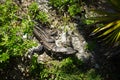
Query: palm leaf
{"x": 110, "y": 32}
{"x": 103, "y": 28}
{"x": 103, "y": 12}
{"x": 102, "y": 19}
{"x": 116, "y": 4}
{"x": 118, "y": 36}
{"x": 110, "y": 39}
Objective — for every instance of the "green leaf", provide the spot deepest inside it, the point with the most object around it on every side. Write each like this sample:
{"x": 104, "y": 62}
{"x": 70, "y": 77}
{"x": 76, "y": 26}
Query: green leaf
{"x": 116, "y": 3}
{"x": 4, "y": 57}
{"x": 111, "y": 20}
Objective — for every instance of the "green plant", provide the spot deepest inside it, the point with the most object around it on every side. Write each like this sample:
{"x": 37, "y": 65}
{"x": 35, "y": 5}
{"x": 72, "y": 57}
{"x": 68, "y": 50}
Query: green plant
{"x": 92, "y": 75}
{"x": 67, "y": 69}
{"x": 110, "y": 32}
{"x": 63, "y": 70}
{"x": 35, "y": 67}
{"x": 12, "y": 30}
{"x": 64, "y": 65}
{"x": 59, "y": 4}
{"x": 90, "y": 46}
{"x": 36, "y": 14}
{"x": 73, "y": 7}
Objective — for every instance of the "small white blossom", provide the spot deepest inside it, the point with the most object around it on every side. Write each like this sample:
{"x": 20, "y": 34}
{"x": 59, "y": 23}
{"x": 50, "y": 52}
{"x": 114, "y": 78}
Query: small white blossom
{"x": 24, "y": 36}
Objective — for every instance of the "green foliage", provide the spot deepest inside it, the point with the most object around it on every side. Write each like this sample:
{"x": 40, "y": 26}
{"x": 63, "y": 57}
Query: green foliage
{"x": 64, "y": 66}
{"x": 4, "y": 57}
{"x": 91, "y": 45}
{"x": 12, "y": 30}
{"x": 36, "y": 14}
{"x": 35, "y": 67}
{"x": 92, "y": 75}
{"x": 110, "y": 32}
{"x": 73, "y": 7}
{"x": 88, "y": 21}
{"x": 115, "y": 3}
{"x": 43, "y": 17}
{"x": 59, "y": 4}
{"x": 63, "y": 70}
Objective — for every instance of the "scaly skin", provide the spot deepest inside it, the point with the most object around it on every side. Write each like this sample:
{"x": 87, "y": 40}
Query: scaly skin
{"x": 42, "y": 33}
{"x": 49, "y": 44}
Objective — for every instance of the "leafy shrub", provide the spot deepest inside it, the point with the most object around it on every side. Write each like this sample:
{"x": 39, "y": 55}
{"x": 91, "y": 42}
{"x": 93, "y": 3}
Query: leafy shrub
{"x": 59, "y": 4}
{"x": 35, "y": 67}
{"x": 36, "y": 14}
{"x": 73, "y": 7}
{"x": 110, "y": 32}
{"x": 12, "y": 31}
{"x": 92, "y": 75}
{"x": 63, "y": 70}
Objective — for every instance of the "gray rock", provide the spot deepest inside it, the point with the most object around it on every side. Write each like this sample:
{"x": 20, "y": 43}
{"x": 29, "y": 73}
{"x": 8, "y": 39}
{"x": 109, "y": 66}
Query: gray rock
{"x": 79, "y": 44}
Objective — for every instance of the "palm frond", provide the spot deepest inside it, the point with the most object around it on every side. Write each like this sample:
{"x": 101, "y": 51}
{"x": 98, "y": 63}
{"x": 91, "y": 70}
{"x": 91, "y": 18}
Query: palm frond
{"x": 110, "y": 32}
{"x": 111, "y": 29}
{"x": 116, "y": 4}
{"x": 103, "y": 28}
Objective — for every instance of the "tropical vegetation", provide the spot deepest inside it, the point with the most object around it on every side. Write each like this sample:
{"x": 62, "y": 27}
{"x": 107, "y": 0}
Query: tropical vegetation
{"x": 110, "y": 30}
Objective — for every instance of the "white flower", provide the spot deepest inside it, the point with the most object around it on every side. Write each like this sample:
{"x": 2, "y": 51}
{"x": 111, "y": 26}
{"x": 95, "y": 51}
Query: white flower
{"x": 24, "y": 36}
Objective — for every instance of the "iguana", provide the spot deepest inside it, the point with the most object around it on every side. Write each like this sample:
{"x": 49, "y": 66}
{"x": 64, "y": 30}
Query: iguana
{"x": 48, "y": 44}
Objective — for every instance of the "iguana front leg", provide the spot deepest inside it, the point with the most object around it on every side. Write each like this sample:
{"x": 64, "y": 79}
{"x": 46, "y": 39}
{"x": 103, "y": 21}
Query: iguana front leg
{"x": 38, "y": 49}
